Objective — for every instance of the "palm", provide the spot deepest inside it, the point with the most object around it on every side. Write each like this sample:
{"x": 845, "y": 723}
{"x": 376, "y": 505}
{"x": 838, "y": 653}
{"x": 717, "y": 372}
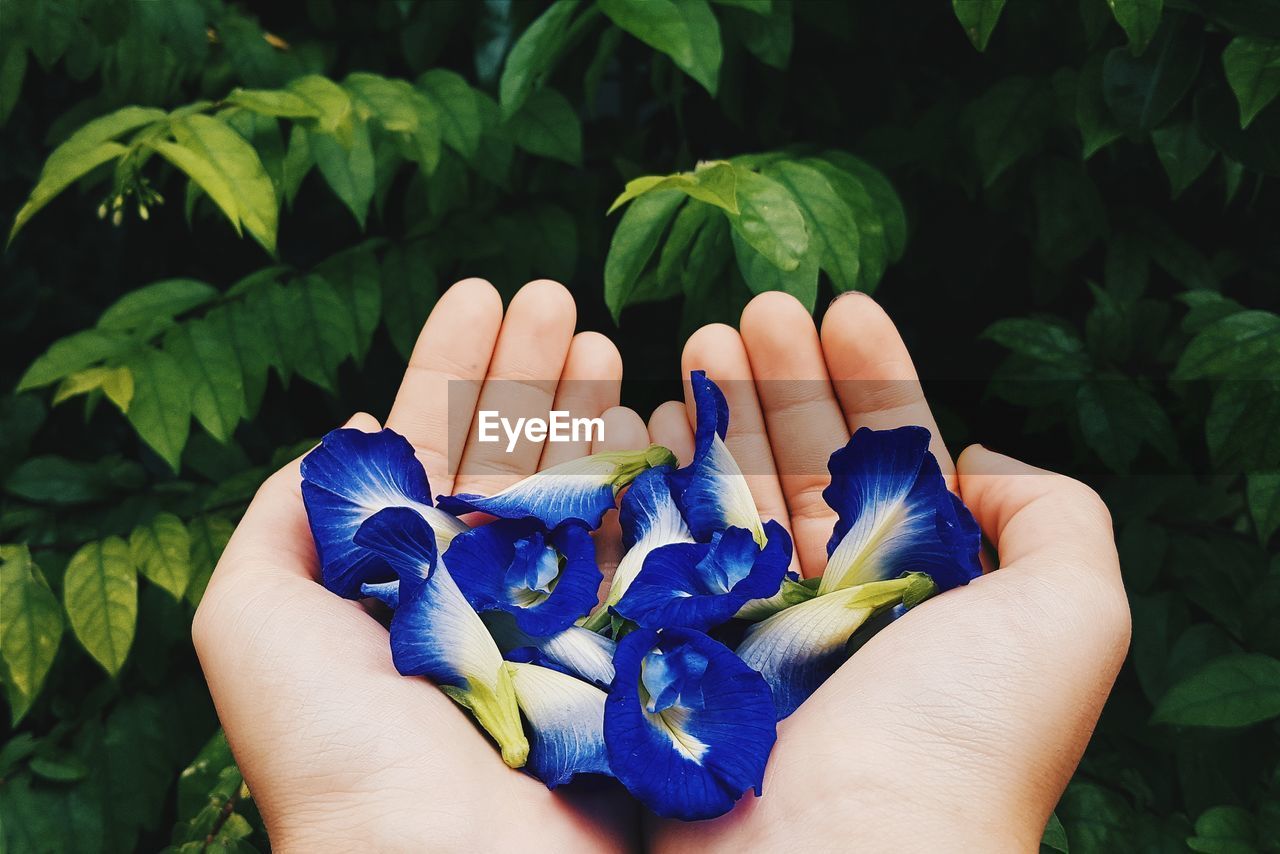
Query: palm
{"x": 334, "y": 743}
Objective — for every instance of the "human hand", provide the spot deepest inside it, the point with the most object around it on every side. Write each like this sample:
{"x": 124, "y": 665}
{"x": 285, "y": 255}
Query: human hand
{"x": 340, "y": 751}
{"x": 958, "y": 726}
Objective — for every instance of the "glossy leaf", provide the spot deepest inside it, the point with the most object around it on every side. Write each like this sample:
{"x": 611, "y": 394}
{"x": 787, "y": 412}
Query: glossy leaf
{"x": 633, "y": 244}
{"x": 685, "y": 30}
{"x": 833, "y": 236}
{"x": 534, "y": 55}
{"x": 769, "y": 220}
{"x": 100, "y": 593}
{"x": 1253, "y": 70}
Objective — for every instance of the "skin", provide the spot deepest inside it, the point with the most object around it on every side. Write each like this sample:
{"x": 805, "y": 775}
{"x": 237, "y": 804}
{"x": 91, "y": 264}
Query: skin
{"x": 954, "y": 729}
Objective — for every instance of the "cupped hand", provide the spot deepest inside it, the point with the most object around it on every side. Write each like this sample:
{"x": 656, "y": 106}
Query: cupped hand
{"x": 339, "y": 750}
{"x": 957, "y": 727}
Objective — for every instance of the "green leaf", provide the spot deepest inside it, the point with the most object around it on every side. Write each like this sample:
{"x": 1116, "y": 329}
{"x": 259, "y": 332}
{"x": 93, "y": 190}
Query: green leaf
{"x": 715, "y": 183}
{"x": 161, "y": 550}
{"x": 758, "y": 7}
{"x": 1245, "y": 345}
{"x": 888, "y": 206}
{"x": 833, "y": 236}
{"x": 158, "y": 302}
{"x": 13, "y": 68}
{"x": 685, "y": 30}
{"x": 1253, "y": 70}
{"x": 280, "y": 103}
{"x": 86, "y": 149}
{"x": 212, "y": 371}
{"x": 534, "y": 55}
{"x": 244, "y": 332}
{"x": 320, "y": 332}
{"x": 354, "y": 273}
{"x": 633, "y": 245}
{"x": 30, "y": 627}
{"x": 1256, "y": 148}
{"x": 1141, "y": 92}
{"x": 873, "y": 241}
{"x": 978, "y": 17}
{"x": 1263, "y": 492}
{"x": 1093, "y": 117}
{"x": 116, "y": 383}
{"x": 548, "y": 126}
{"x": 769, "y": 220}
{"x": 51, "y": 479}
{"x": 1055, "y": 836}
{"x": 298, "y": 161}
{"x": 762, "y": 275}
{"x": 350, "y": 172}
{"x": 100, "y": 593}
{"x": 74, "y": 353}
{"x": 1008, "y": 123}
{"x": 1139, "y": 20}
{"x": 459, "y": 109}
{"x": 1117, "y": 416}
{"x": 1042, "y": 341}
{"x": 409, "y": 290}
{"x": 1224, "y": 830}
{"x": 1182, "y": 153}
{"x": 768, "y": 34}
{"x": 1240, "y": 427}
{"x": 674, "y": 259}
{"x": 1232, "y": 691}
{"x": 394, "y": 104}
{"x": 161, "y": 407}
{"x": 209, "y": 536}
{"x": 66, "y": 769}
{"x": 335, "y": 114}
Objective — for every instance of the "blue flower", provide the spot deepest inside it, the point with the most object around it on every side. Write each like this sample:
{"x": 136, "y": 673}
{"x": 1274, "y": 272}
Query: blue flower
{"x": 545, "y": 579}
{"x": 711, "y": 491}
{"x": 566, "y": 720}
{"x": 575, "y": 650}
{"x": 347, "y": 478}
{"x": 701, "y": 585}
{"x": 435, "y": 633}
{"x": 581, "y": 490}
{"x": 687, "y": 724}
{"x": 896, "y": 514}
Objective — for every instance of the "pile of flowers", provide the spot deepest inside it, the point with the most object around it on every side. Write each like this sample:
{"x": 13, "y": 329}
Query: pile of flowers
{"x": 674, "y": 684}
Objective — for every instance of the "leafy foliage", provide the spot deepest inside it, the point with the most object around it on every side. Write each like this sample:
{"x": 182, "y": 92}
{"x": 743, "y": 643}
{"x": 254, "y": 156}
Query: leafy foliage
{"x": 1071, "y": 206}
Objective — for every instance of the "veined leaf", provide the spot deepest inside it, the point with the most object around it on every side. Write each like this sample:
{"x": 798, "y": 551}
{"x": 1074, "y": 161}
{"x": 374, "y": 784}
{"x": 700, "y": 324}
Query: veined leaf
{"x": 978, "y": 17}
{"x": 100, "y": 593}
{"x": 453, "y": 97}
{"x": 74, "y": 353}
{"x": 355, "y": 274}
{"x": 116, "y": 383}
{"x": 1245, "y": 345}
{"x": 245, "y": 332}
{"x": 1253, "y": 70}
{"x": 534, "y": 55}
{"x": 274, "y": 102}
{"x": 833, "y": 236}
{"x": 331, "y": 103}
{"x": 548, "y": 126}
{"x": 161, "y": 406}
{"x": 321, "y": 331}
{"x": 873, "y": 240}
{"x": 769, "y": 220}
{"x": 212, "y": 371}
{"x": 1042, "y": 341}
{"x": 409, "y": 290}
{"x": 1231, "y": 691}
{"x": 685, "y": 30}
{"x": 715, "y": 183}
{"x": 348, "y": 171}
{"x": 762, "y": 275}
{"x": 158, "y": 302}
{"x": 390, "y": 102}
{"x": 209, "y": 536}
{"x": 30, "y": 627}
{"x": 633, "y": 245}
{"x": 1139, "y": 20}
{"x": 161, "y": 550}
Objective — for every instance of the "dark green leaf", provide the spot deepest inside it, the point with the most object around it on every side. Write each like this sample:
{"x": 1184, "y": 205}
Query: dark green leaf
{"x": 1182, "y": 153}
{"x": 685, "y": 30}
{"x": 1093, "y": 117}
{"x": 833, "y": 236}
{"x": 1008, "y": 123}
{"x": 1044, "y": 342}
{"x": 161, "y": 407}
{"x": 1055, "y": 836}
{"x": 1257, "y": 148}
{"x": 1142, "y": 91}
{"x": 633, "y": 244}
{"x": 1264, "y": 503}
{"x": 1139, "y": 19}
{"x": 1224, "y": 830}
{"x": 211, "y": 369}
{"x": 1117, "y": 416}
{"x": 13, "y": 67}
{"x": 209, "y": 536}
{"x": 768, "y": 34}
{"x": 74, "y": 353}
{"x": 355, "y": 275}
{"x": 321, "y": 332}
{"x": 409, "y": 290}
{"x": 1231, "y": 691}
{"x": 100, "y": 593}
{"x": 158, "y": 302}
{"x": 978, "y": 17}
{"x": 534, "y": 55}
{"x": 1244, "y": 345}
{"x": 548, "y": 126}
{"x": 459, "y": 110}
{"x": 348, "y": 170}
{"x": 1253, "y": 70}
{"x": 58, "y": 480}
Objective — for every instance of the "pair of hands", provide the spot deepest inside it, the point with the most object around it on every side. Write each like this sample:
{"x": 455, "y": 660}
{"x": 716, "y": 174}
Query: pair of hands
{"x": 955, "y": 728}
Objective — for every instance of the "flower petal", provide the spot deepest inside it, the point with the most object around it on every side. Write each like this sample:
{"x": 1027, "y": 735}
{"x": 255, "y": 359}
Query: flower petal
{"x": 436, "y": 634}
{"x": 566, "y": 716}
{"x": 386, "y": 592}
{"x": 701, "y": 585}
{"x": 485, "y": 560}
{"x": 581, "y": 490}
{"x": 576, "y": 650}
{"x": 347, "y": 478}
{"x": 711, "y": 491}
{"x": 895, "y": 514}
{"x": 694, "y": 758}
{"x": 796, "y": 649}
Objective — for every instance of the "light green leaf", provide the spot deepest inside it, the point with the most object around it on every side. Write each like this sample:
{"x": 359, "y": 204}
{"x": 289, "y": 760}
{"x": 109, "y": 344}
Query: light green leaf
{"x": 409, "y": 289}
{"x": 158, "y": 302}
{"x": 762, "y": 275}
{"x": 74, "y": 353}
{"x": 1231, "y": 691}
{"x": 685, "y": 30}
{"x": 548, "y": 126}
{"x": 1139, "y": 20}
{"x": 1263, "y": 492}
{"x": 769, "y": 220}
{"x": 1093, "y": 117}
{"x": 1183, "y": 154}
{"x": 888, "y": 206}
{"x": 100, "y": 593}
{"x": 978, "y": 17}
{"x": 1244, "y": 345}
{"x": 1253, "y": 70}
{"x": 1225, "y": 830}
{"x": 161, "y": 406}
{"x": 534, "y": 55}
{"x": 713, "y": 182}
{"x": 354, "y": 273}
{"x": 30, "y": 627}
{"x": 350, "y": 172}
{"x": 116, "y": 383}
{"x": 297, "y": 163}
{"x": 280, "y": 103}
{"x": 873, "y": 240}
{"x": 633, "y": 245}
{"x": 461, "y": 123}
{"x": 395, "y": 104}
{"x": 833, "y": 236}
{"x": 212, "y": 375}
{"x": 331, "y": 103}
{"x": 161, "y": 550}
{"x": 209, "y": 536}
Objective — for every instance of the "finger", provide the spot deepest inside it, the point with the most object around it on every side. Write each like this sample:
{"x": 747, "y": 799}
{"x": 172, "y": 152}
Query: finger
{"x": 872, "y": 373}
{"x": 804, "y": 420}
{"x": 442, "y": 382}
{"x": 590, "y": 384}
{"x": 521, "y": 383}
{"x": 669, "y": 426}
{"x": 718, "y": 350}
{"x": 624, "y": 430}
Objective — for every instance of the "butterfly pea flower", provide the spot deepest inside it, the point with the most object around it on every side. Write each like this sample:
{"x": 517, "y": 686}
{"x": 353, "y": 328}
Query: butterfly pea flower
{"x": 544, "y": 578}
{"x": 688, "y": 726}
{"x": 581, "y": 490}
{"x": 649, "y": 518}
{"x": 575, "y": 650}
{"x": 701, "y": 585}
{"x": 435, "y": 632}
{"x": 566, "y": 723}
{"x": 347, "y": 478}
